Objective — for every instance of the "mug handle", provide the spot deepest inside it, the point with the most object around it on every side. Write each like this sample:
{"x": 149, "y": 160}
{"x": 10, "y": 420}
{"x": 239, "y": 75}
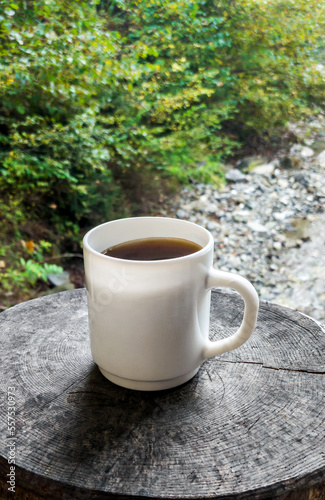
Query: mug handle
{"x": 249, "y": 294}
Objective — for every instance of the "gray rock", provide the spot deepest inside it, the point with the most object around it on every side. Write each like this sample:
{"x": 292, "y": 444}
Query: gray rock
{"x": 235, "y": 175}
{"x": 301, "y": 178}
{"x": 283, "y": 183}
{"x": 181, "y": 213}
{"x": 277, "y": 245}
{"x": 257, "y": 227}
{"x": 60, "y": 279}
{"x": 285, "y": 200}
{"x": 321, "y": 159}
{"x": 267, "y": 169}
{"x": 319, "y": 146}
{"x": 250, "y": 162}
{"x": 297, "y": 155}
{"x": 212, "y": 225}
{"x": 298, "y": 229}
{"x": 281, "y": 216}
{"x": 203, "y": 204}
{"x": 295, "y": 149}
{"x": 306, "y": 152}
{"x": 241, "y": 215}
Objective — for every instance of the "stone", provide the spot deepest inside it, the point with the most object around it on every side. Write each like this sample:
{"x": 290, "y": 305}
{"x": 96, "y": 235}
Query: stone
{"x": 284, "y": 200}
{"x": 212, "y": 225}
{"x": 241, "y": 215}
{"x": 280, "y": 237}
{"x": 257, "y": 227}
{"x": 249, "y": 162}
{"x": 294, "y": 243}
{"x": 250, "y": 204}
{"x": 181, "y": 213}
{"x": 267, "y": 169}
{"x": 60, "y": 279}
{"x": 321, "y": 159}
{"x": 306, "y": 152}
{"x": 280, "y": 216}
{"x": 235, "y": 175}
{"x": 277, "y": 245}
{"x": 295, "y": 149}
{"x": 283, "y": 183}
{"x": 301, "y": 178}
{"x": 297, "y": 154}
{"x": 298, "y": 229}
{"x": 202, "y": 204}
{"x": 319, "y": 146}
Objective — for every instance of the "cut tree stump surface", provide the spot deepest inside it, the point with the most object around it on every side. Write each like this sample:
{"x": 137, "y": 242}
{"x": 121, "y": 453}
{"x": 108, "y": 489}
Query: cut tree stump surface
{"x": 250, "y": 424}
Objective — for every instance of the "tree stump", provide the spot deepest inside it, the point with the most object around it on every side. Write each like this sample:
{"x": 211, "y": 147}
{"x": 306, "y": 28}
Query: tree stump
{"x": 249, "y": 425}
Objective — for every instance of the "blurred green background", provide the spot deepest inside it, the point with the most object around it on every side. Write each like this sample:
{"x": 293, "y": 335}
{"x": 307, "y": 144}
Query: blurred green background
{"x": 105, "y": 105}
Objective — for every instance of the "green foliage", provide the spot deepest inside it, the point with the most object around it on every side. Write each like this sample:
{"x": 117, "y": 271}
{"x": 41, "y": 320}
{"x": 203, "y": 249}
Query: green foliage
{"x": 27, "y": 274}
{"x": 91, "y": 96}
{"x": 21, "y": 268}
{"x": 55, "y": 149}
{"x": 219, "y": 69}
{"x": 99, "y": 100}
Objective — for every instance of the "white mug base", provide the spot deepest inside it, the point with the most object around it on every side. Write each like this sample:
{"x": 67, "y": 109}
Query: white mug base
{"x": 156, "y": 385}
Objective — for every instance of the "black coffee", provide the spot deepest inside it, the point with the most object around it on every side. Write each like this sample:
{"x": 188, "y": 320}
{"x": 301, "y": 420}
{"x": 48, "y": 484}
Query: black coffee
{"x": 152, "y": 249}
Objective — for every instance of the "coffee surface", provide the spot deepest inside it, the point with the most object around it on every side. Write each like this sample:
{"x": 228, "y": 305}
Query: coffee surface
{"x": 152, "y": 249}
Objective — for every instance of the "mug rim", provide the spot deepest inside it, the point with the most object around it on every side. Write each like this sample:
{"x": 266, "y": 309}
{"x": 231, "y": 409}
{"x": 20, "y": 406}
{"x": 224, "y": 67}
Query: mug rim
{"x": 205, "y": 249}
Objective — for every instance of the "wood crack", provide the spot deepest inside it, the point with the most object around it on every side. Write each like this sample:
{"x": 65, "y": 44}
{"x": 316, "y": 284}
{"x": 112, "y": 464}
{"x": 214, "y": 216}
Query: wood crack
{"x": 263, "y": 365}
{"x": 65, "y": 390}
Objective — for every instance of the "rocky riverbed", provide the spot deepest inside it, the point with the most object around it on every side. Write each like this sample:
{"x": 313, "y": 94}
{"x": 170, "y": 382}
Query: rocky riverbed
{"x": 269, "y": 222}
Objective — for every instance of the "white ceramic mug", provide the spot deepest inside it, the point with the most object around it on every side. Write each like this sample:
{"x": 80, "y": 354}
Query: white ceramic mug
{"x": 149, "y": 320}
